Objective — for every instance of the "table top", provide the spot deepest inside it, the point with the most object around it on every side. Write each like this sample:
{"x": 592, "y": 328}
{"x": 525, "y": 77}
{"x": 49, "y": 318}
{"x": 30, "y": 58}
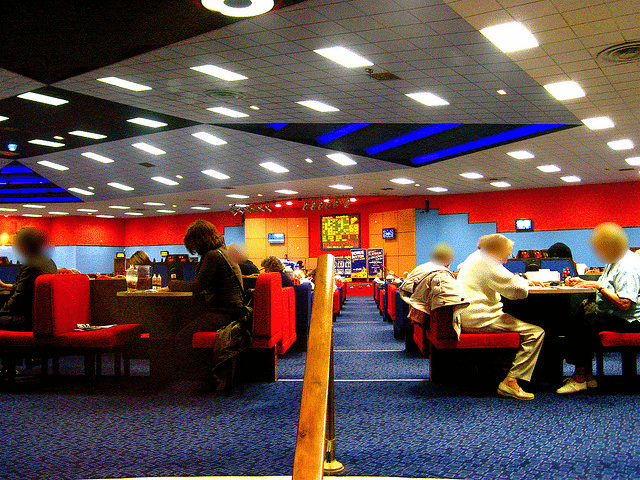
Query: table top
{"x": 559, "y": 290}
{"x": 154, "y": 294}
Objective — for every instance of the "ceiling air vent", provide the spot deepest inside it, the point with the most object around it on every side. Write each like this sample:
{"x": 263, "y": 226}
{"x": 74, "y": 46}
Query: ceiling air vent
{"x": 225, "y": 94}
{"x": 626, "y": 52}
{"x": 382, "y": 76}
{"x": 386, "y": 189}
{"x": 146, "y": 164}
{"x": 626, "y": 169}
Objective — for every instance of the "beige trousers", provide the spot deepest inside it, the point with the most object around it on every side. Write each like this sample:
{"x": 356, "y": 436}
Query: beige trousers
{"x": 531, "y": 338}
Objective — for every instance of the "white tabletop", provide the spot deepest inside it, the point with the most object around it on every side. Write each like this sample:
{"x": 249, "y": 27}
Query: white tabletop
{"x": 559, "y": 290}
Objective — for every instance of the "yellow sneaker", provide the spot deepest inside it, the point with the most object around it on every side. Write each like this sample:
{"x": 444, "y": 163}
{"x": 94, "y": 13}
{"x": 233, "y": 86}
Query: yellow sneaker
{"x": 509, "y": 392}
{"x": 571, "y": 386}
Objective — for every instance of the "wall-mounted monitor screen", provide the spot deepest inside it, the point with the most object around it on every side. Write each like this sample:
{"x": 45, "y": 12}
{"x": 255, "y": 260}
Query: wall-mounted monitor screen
{"x": 340, "y": 232}
{"x": 277, "y": 238}
{"x": 524, "y": 224}
{"x": 120, "y": 255}
{"x": 388, "y": 233}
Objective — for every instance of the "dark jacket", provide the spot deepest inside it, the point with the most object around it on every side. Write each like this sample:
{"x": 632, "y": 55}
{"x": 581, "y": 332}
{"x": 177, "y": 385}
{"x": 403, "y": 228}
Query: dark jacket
{"x": 286, "y": 280}
{"x": 217, "y": 281}
{"x": 248, "y": 268}
{"x": 20, "y": 304}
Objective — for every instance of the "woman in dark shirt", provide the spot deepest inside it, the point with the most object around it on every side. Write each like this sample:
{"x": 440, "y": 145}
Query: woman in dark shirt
{"x": 218, "y": 282}
{"x": 30, "y": 243}
{"x": 272, "y": 264}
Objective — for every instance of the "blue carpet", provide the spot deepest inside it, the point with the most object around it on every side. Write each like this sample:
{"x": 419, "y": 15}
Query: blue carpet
{"x": 408, "y": 428}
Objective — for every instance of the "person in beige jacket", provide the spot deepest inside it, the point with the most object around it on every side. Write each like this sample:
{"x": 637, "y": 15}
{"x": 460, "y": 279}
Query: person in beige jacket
{"x": 484, "y": 279}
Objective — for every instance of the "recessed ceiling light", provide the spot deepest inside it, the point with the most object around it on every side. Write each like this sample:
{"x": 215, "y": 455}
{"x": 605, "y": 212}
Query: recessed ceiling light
{"x": 274, "y": 167}
{"x": 55, "y": 166}
{"x": 32, "y": 205}
{"x": 179, "y": 177}
{"x": 118, "y": 82}
{"x": 402, "y": 181}
{"x": 565, "y": 90}
{"x": 510, "y": 37}
{"x": 37, "y": 97}
{"x": 218, "y": 72}
{"x": 318, "y": 106}
{"x": 278, "y": 205}
{"x": 166, "y": 211}
{"x": 255, "y": 7}
{"x": 571, "y": 179}
{"x": 58, "y": 137}
{"x": 286, "y": 192}
{"x": 549, "y": 168}
{"x": 121, "y": 186}
{"x": 119, "y": 207}
{"x": 2, "y": 119}
{"x": 200, "y": 208}
{"x": 207, "y": 137}
{"x": 260, "y": 195}
{"x": 147, "y": 122}
{"x": 237, "y": 195}
{"x": 155, "y": 204}
{"x": 90, "y": 210}
{"x": 624, "y": 144}
{"x": 136, "y": 214}
{"x": 634, "y": 161}
{"x": 501, "y": 184}
{"x": 104, "y": 216}
{"x": 341, "y": 159}
{"x": 82, "y": 133}
{"x": 416, "y": 185}
{"x": 216, "y": 174}
{"x": 438, "y": 189}
{"x": 254, "y": 107}
{"x": 96, "y": 157}
{"x": 228, "y": 112}
{"x": 58, "y": 213}
{"x": 344, "y": 57}
{"x": 145, "y": 147}
{"x": 8, "y": 209}
{"x": 46, "y": 143}
{"x": 308, "y": 160}
{"x": 80, "y": 191}
{"x": 33, "y": 215}
{"x": 521, "y": 154}
{"x": 501, "y": 92}
{"x": 472, "y": 175}
{"x": 165, "y": 181}
{"x": 598, "y": 123}
{"x": 339, "y": 186}
{"x": 428, "y": 98}
{"x": 289, "y": 203}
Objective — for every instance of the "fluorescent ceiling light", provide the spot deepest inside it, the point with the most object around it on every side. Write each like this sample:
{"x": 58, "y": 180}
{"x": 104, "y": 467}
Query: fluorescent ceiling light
{"x": 549, "y": 168}
{"x": 254, "y": 107}
{"x": 236, "y": 195}
{"x": 155, "y": 204}
{"x": 339, "y": 186}
{"x": 510, "y": 37}
{"x": 104, "y": 216}
{"x": 58, "y": 213}
{"x": 318, "y": 106}
{"x": 565, "y": 90}
{"x": 119, "y": 207}
{"x": 121, "y": 186}
{"x": 8, "y": 209}
{"x": 216, "y": 174}
{"x": 402, "y": 181}
{"x": 286, "y": 192}
{"x": 274, "y": 167}
{"x": 33, "y": 215}
{"x": 428, "y": 99}
{"x": 501, "y": 184}
{"x": 96, "y": 157}
{"x": 90, "y": 210}
{"x": 228, "y": 112}
{"x": 571, "y": 179}
{"x": 624, "y": 144}
{"x": 207, "y": 137}
{"x": 33, "y": 205}
{"x": 256, "y": 7}
{"x": 472, "y": 175}
{"x": 218, "y": 72}
{"x": 147, "y": 122}
{"x": 46, "y": 143}
{"x": 2, "y": 119}
{"x": 165, "y": 181}
{"x": 308, "y": 160}
{"x": 200, "y": 208}
{"x": 634, "y": 161}
{"x": 55, "y": 166}
{"x": 136, "y": 214}
{"x": 166, "y": 211}
{"x": 82, "y": 133}
{"x": 501, "y": 92}
{"x": 438, "y": 189}
{"x": 344, "y": 57}
{"x": 341, "y": 159}
{"x": 521, "y": 155}
{"x": 37, "y": 97}
{"x": 80, "y": 191}
{"x": 145, "y": 147}
{"x": 598, "y": 123}
{"x": 118, "y": 82}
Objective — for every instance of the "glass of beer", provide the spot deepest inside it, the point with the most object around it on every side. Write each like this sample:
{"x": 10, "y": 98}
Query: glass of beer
{"x": 132, "y": 279}
{"x": 144, "y": 277}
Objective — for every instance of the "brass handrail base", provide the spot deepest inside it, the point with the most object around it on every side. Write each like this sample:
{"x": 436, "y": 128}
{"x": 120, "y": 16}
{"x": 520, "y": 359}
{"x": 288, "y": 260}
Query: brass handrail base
{"x": 333, "y": 468}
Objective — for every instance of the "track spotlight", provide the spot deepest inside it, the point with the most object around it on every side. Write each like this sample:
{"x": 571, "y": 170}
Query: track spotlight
{"x": 305, "y": 206}
{"x": 347, "y": 202}
{"x": 268, "y": 208}
{"x": 336, "y": 204}
{"x": 313, "y": 206}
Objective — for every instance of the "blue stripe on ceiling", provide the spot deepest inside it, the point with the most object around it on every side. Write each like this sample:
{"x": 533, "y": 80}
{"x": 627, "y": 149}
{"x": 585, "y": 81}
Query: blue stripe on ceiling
{"x": 15, "y": 169}
{"x": 277, "y": 126}
{"x": 23, "y": 181}
{"x": 39, "y": 199}
{"x": 26, "y": 191}
{"x": 411, "y": 137}
{"x": 486, "y": 142}
{"x": 340, "y": 132}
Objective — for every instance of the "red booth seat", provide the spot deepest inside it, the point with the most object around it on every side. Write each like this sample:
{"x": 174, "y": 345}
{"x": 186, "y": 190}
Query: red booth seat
{"x": 617, "y": 339}
{"x": 391, "y": 301}
{"x": 203, "y": 340}
{"x": 336, "y": 302}
{"x": 289, "y": 320}
{"x": 626, "y": 343}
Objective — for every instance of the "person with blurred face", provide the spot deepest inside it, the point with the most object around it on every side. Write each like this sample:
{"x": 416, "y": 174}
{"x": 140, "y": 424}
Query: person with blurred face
{"x": 616, "y": 307}
{"x": 484, "y": 279}
{"x": 30, "y": 244}
{"x": 239, "y": 255}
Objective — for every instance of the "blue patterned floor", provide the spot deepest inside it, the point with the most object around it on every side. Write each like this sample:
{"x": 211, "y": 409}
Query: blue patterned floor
{"x": 385, "y": 428}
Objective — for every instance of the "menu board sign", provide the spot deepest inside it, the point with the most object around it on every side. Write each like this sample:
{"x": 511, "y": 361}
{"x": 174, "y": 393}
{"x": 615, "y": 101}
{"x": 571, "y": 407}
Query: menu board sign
{"x": 375, "y": 261}
{"x": 340, "y": 232}
{"x": 358, "y": 263}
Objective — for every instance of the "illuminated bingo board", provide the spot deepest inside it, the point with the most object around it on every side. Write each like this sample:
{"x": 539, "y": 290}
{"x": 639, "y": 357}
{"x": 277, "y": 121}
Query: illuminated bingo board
{"x": 340, "y": 232}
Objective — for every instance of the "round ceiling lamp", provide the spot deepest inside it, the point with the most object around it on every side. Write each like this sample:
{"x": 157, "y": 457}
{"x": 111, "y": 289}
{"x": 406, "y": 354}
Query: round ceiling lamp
{"x": 239, "y": 8}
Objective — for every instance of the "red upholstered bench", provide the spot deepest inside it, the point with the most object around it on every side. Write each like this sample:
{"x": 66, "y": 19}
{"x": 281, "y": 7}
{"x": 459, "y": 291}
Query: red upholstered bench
{"x": 391, "y": 302}
{"x": 336, "y": 303}
{"x": 626, "y": 343}
{"x": 288, "y": 321}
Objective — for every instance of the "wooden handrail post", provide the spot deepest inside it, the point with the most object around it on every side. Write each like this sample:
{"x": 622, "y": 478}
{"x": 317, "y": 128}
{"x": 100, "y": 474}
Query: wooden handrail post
{"x": 331, "y": 465}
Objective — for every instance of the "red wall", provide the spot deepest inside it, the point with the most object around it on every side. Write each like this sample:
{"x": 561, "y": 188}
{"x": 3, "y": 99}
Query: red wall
{"x": 71, "y": 230}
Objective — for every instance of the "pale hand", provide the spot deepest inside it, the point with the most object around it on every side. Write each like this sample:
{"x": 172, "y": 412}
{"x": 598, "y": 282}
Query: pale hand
{"x": 575, "y": 281}
{"x": 535, "y": 284}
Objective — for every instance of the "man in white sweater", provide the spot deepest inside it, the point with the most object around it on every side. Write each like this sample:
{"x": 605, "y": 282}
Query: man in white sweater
{"x": 484, "y": 279}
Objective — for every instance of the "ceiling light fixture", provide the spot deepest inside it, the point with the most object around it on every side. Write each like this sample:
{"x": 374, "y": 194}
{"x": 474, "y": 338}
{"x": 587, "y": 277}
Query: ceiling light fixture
{"x": 96, "y": 157}
{"x": 501, "y": 92}
{"x": 104, "y": 216}
{"x": 207, "y": 137}
{"x": 80, "y": 191}
{"x": 146, "y": 122}
{"x": 33, "y": 215}
{"x": 255, "y": 7}
{"x": 254, "y": 107}
{"x": 200, "y": 208}
{"x": 2, "y": 119}
{"x": 339, "y": 186}
{"x": 402, "y": 181}
{"x": 472, "y": 175}
{"x": 571, "y": 179}
{"x": 55, "y": 166}
{"x": 37, "y": 97}
{"x": 33, "y": 205}
{"x": 427, "y": 98}
{"x": 155, "y": 204}
{"x": 145, "y": 147}
{"x": 82, "y": 133}
{"x": 118, "y": 82}
{"x": 308, "y": 160}
{"x": 274, "y": 167}
{"x": 318, "y": 106}
{"x": 624, "y": 144}
{"x": 216, "y": 174}
{"x": 344, "y": 57}
{"x": 501, "y": 184}
{"x": 521, "y": 155}
{"x": 8, "y": 209}
{"x": 228, "y": 112}
{"x": 165, "y": 181}
{"x": 137, "y": 214}
{"x": 287, "y": 192}
{"x": 220, "y": 73}
{"x": 549, "y": 168}
{"x": 510, "y": 37}
{"x": 565, "y": 90}
{"x": 341, "y": 159}
{"x": 58, "y": 213}
{"x": 119, "y": 207}
{"x": 633, "y": 161}
{"x": 598, "y": 123}
{"x": 438, "y": 189}
{"x": 46, "y": 143}
{"x": 237, "y": 195}
{"x": 121, "y": 186}
{"x": 89, "y": 210}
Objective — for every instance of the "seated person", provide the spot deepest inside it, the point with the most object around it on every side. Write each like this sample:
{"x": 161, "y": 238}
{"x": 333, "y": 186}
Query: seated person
{"x": 239, "y": 255}
{"x": 616, "y": 308}
{"x": 300, "y": 277}
{"x": 559, "y": 250}
{"x": 379, "y": 278}
{"x": 484, "y": 279}
{"x": 30, "y": 243}
{"x": 139, "y": 258}
{"x": 272, "y": 264}
{"x": 219, "y": 283}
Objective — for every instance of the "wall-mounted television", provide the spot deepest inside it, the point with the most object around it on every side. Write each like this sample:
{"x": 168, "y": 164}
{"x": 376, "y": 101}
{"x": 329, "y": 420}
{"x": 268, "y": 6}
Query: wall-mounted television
{"x": 524, "y": 224}
{"x": 275, "y": 238}
{"x": 388, "y": 233}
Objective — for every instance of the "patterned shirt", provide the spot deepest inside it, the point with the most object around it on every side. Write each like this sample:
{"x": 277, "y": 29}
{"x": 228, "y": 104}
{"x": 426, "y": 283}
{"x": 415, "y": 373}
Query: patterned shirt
{"x": 623, "y": 278}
